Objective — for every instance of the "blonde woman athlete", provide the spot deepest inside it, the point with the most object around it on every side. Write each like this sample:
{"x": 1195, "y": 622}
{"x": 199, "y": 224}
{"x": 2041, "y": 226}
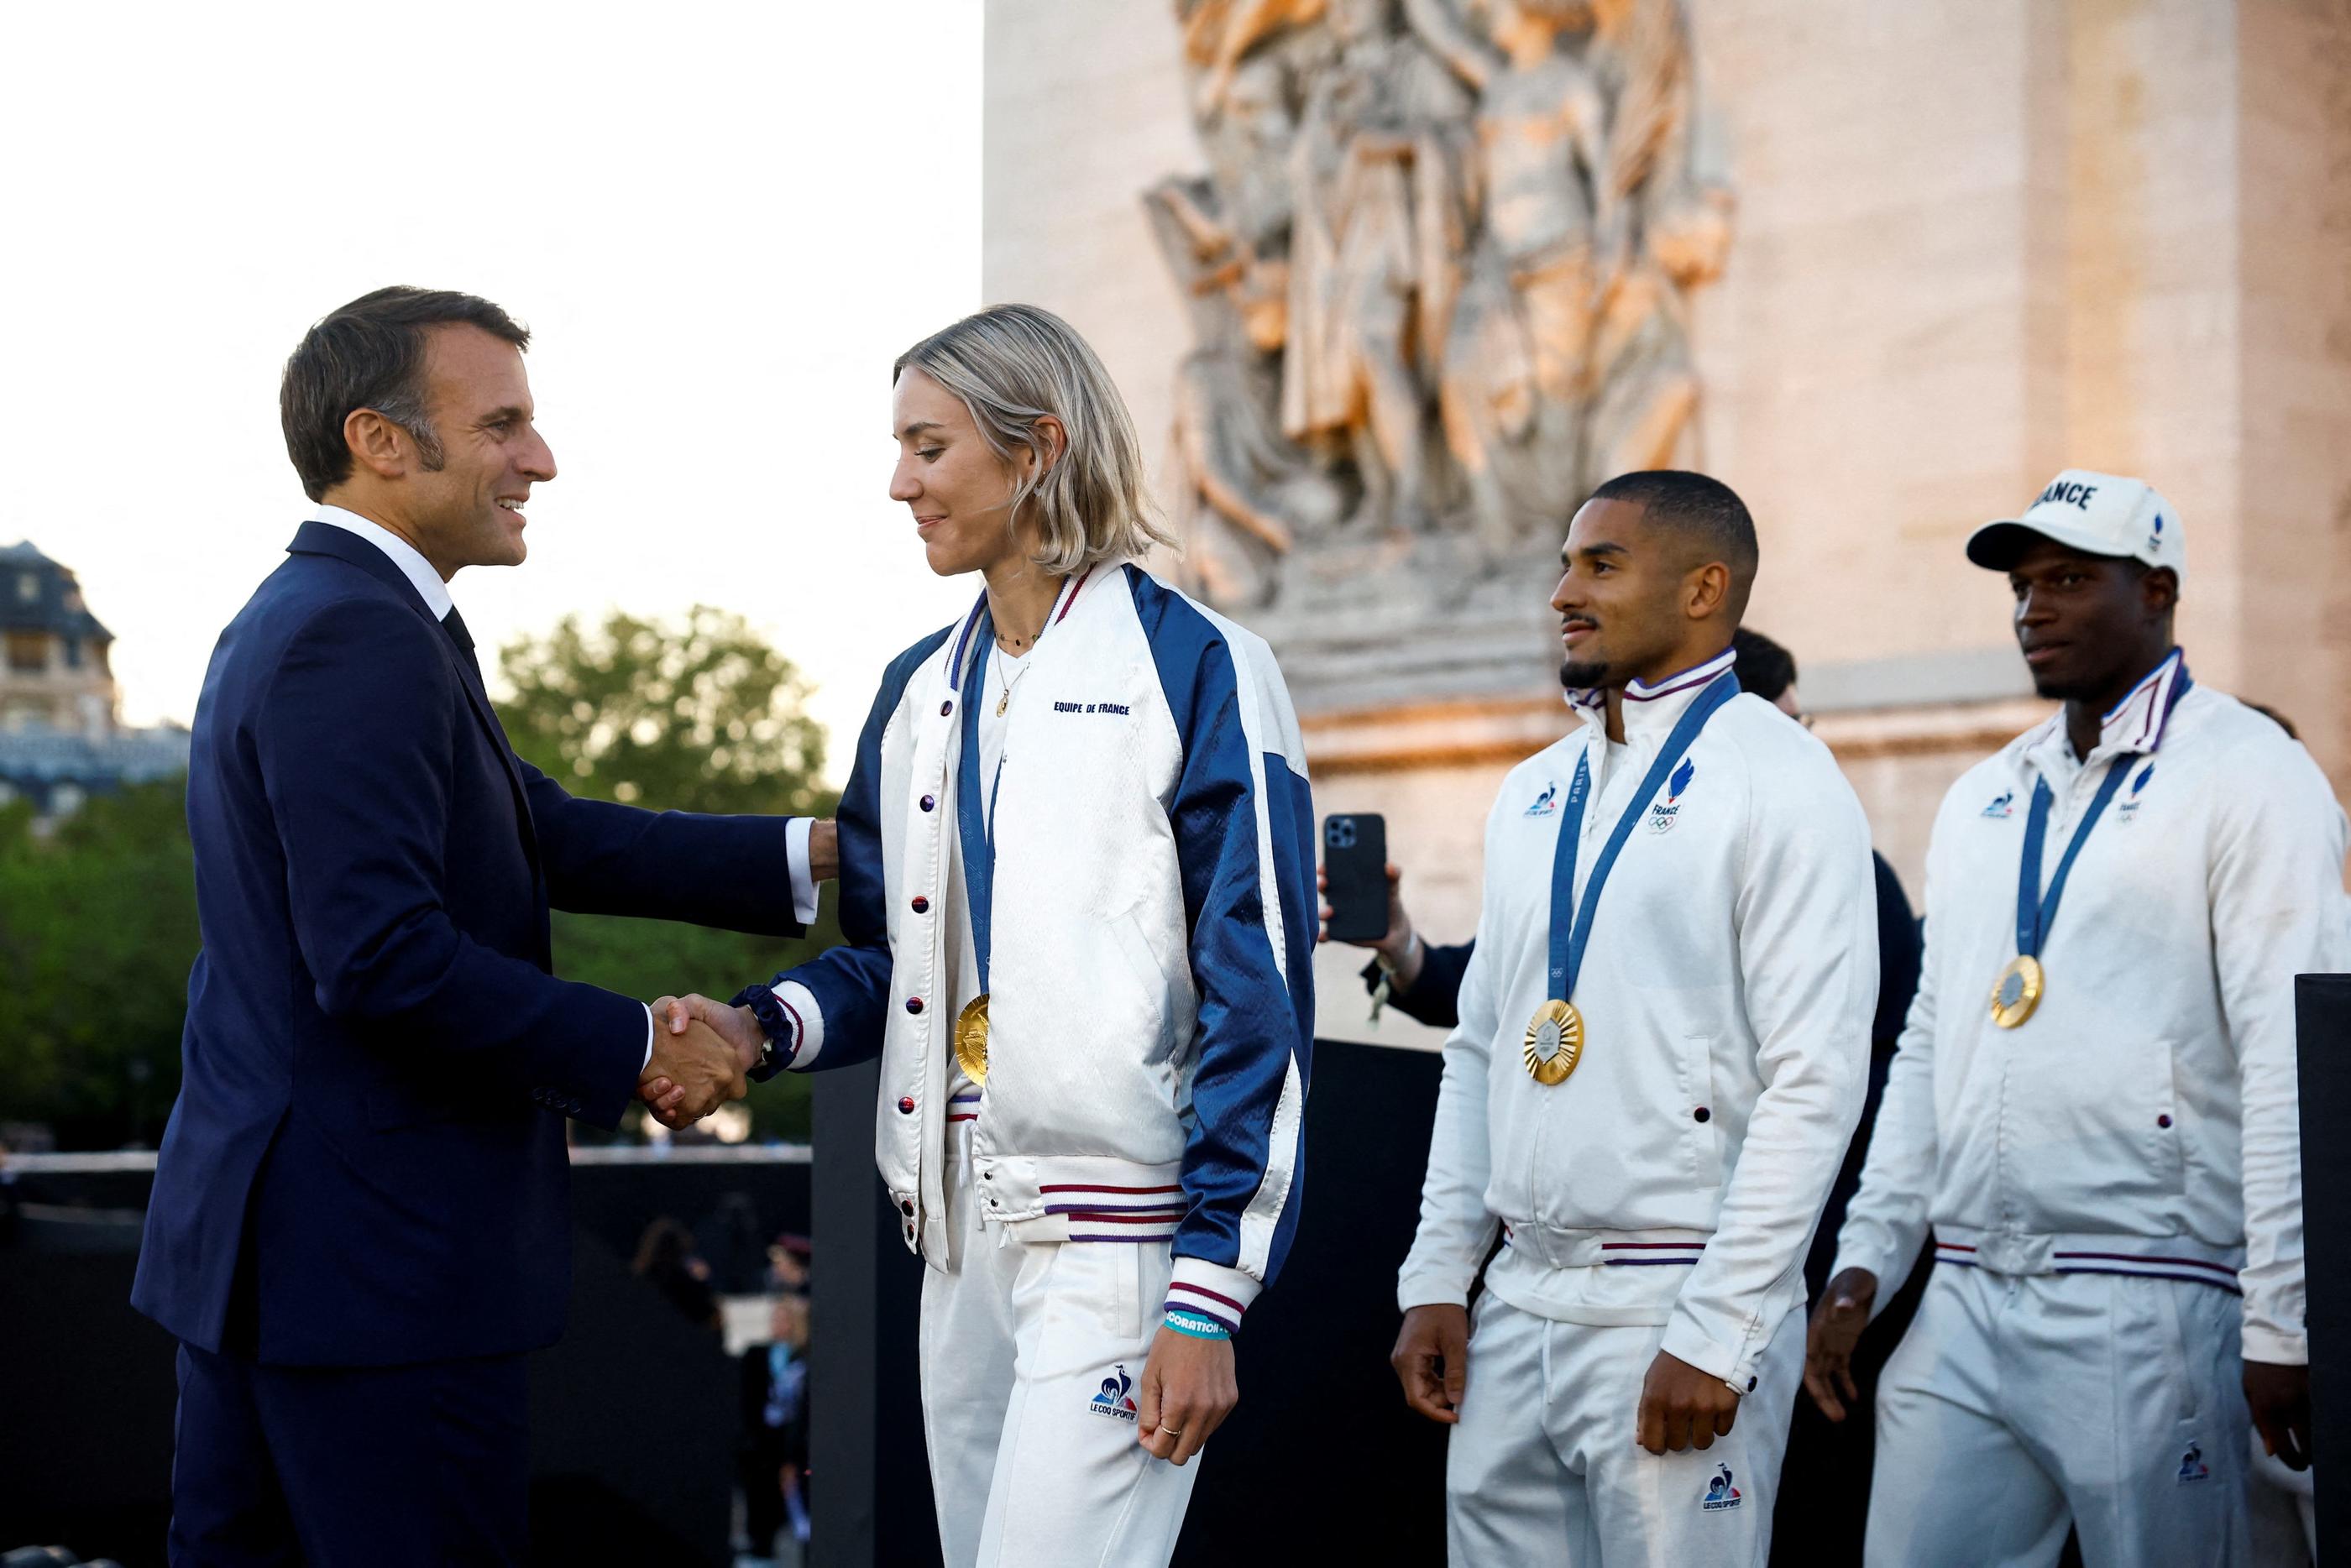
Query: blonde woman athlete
{"x": 1077, "y": 889}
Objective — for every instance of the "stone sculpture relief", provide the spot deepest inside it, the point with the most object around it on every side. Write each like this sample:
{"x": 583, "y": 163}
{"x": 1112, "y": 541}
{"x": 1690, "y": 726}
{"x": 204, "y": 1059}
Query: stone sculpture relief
{"x": 1438, "y": 271}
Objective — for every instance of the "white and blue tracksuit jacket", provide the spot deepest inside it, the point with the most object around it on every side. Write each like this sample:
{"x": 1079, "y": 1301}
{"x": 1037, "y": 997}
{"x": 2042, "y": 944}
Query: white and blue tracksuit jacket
{"x": 1151, "y": 999}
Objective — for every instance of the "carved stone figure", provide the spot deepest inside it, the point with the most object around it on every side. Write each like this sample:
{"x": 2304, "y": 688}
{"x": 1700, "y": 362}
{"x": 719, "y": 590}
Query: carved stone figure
{"x": 1438, "y": 271}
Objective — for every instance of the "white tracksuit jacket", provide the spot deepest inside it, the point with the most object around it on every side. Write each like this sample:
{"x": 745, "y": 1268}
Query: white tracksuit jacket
{"x": 1150, "y": 1000}
{"x": 1726, "y": 994}
{"x": 2144, "y": 1119}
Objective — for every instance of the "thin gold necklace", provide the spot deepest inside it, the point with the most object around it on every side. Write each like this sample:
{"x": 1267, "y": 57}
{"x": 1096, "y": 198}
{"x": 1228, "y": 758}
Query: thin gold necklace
{"x": 1005, "y": 701}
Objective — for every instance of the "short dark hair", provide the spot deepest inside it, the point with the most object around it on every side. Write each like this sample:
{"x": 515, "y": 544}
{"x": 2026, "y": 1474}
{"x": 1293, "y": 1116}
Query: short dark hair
{"x": 1763, "y": 666}
{"x": 369, "y": 354}
{"x": 1703, "y": 509}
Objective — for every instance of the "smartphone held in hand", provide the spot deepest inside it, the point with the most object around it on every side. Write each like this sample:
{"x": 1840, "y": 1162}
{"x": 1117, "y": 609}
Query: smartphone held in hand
{"x": 1354, "y": 861}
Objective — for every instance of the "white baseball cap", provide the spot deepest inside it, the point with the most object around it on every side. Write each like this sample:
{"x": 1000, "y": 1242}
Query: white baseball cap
{"x": 2096, "y": 513}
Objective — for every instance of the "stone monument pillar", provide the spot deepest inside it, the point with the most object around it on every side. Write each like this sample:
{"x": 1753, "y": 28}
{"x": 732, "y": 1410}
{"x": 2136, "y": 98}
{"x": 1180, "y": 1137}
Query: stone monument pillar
{"x": 1390, "y": 283}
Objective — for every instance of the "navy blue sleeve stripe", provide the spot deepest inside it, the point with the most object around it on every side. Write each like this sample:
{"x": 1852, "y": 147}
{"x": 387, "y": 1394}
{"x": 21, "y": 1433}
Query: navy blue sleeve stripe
{"x": 1255, "y": 1024}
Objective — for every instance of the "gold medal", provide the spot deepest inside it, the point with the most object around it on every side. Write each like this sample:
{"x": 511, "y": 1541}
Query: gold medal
{"x": 2018, "y": 991}
{"x": 1555, "y": 1043}
{"x": 971, "y": 1041}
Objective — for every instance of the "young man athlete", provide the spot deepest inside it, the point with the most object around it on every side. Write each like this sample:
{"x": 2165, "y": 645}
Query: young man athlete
{"x": 2094, "y": 1104}
{"x": 1664, "y": 1038}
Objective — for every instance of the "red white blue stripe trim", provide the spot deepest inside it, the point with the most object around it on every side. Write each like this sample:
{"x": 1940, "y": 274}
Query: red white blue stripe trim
{"x": 1650, "y": 1255}
{"x": 963, "y": 1108}
{"x": 2135, "y": 1265}
{"x": 1117, "y": 1213}
{"x": 956, "y": 670}
{"x": 1184, "y": 1297}
{"x": 1695, "y": 677}
{"x": 2137, "y": 723}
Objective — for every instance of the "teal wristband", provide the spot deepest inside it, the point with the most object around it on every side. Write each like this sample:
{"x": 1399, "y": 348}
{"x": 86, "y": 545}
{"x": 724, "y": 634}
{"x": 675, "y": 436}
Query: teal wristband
{"x": 1196, "y": 1327}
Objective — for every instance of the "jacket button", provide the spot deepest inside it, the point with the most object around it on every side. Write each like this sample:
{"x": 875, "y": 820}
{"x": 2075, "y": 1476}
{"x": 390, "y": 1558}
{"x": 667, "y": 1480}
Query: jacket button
{"x": 2163, "y": 1121}
{"x": 922, "y": 905}
{"x": 913, "y": 1004}
{"x": 906, "y": 1206}
{"x": 1701, "y": 1115}
{"x": 906, "y": 1106}
{"x": 929, "y": 801}
{"x": 945, "y": 709}
{"x": 1750, "y": 1385}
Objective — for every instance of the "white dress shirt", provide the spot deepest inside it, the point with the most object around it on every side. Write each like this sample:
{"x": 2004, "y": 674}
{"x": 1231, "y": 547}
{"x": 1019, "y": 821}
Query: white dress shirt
{"x": 435, "y": 594}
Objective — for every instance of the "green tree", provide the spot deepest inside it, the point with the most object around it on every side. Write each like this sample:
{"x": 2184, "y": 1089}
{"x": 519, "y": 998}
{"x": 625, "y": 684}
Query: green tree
{"x": 702, "y": 716}
{"x": 98, "y": 928}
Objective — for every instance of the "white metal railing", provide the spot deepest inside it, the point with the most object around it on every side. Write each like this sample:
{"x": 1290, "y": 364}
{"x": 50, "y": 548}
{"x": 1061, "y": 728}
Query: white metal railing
{"x": 121, "y": 1160}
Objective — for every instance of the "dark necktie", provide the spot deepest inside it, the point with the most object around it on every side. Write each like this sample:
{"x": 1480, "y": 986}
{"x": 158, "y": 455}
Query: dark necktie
{"x": 454, "y": 625}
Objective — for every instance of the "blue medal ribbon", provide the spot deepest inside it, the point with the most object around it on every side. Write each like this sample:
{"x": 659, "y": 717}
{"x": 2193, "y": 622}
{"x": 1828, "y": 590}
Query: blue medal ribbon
{"x": 1571, "y": 925}
{"x": 2036, "y": 912}
{"x": 974, "y": 827}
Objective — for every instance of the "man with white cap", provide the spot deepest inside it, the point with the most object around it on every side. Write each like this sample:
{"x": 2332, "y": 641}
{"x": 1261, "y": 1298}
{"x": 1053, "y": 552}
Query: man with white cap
{"x": 2093, "y": 1102}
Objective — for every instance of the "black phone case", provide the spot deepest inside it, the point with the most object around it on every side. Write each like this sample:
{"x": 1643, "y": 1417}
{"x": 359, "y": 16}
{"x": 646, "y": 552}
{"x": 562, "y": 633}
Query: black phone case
{"x": 1356, "y": 861}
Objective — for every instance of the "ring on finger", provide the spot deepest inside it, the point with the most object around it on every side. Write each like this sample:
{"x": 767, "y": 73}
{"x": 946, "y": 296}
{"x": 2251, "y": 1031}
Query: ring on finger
{"x": 1172, "y": 1431}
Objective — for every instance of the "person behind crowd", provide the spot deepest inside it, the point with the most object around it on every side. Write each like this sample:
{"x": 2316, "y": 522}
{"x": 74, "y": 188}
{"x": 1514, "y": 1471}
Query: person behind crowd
{"x": 772, "y": 1461}
{"x": 1661, "y": 1054}
{"x": 667, "y": 1260}
{"x": 1116, "y": 771}
{"x": 2107, "y": 1148}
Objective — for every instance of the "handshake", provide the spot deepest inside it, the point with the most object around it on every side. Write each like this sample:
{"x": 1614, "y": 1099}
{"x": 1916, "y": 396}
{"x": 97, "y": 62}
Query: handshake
{"x": 702, "y": 1049}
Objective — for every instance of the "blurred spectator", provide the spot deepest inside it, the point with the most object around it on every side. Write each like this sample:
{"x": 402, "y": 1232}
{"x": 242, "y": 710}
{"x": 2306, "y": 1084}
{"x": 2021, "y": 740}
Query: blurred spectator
{"x": 729, "y": 1241}
{"x": 773, "y": 1460}
{"x": 787, "y": 1264}
{"x": 665, "y": 1257}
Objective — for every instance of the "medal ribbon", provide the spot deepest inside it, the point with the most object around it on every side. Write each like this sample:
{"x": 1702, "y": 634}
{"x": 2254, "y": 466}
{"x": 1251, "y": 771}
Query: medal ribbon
{"x": 1571, "y": 925}
{"x": 2036, "y": 912}
{"x": 975, "y": 827}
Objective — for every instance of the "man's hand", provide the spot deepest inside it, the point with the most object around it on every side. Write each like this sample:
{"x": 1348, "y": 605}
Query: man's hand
{"x": 1402, "y": 953}
{"x": 738, "y": 1026}
{"x": 1432, "y": 1360}
{"x": 1836, "y": 1328}
{"x": 1188, "y": 1389}
{"x": 2280, "y": 1398}
{"x": 1682, "y": 1408}
{"x": 824, "y": 849}
{"x": 700, "y": 1070}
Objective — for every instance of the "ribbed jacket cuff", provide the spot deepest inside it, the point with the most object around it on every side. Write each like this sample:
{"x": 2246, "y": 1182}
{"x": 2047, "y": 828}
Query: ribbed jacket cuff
{"x": 1211, "y": 1289}
{"x": 807, "y": 1024}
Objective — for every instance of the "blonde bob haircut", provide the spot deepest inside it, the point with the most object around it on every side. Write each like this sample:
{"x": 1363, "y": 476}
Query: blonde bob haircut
{"x": 1013, "y": 365}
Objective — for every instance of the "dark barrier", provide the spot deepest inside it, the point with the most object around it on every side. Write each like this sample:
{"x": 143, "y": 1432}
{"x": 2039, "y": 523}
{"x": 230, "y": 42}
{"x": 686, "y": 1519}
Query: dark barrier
{"x": 1321, "y": 1462}
{"x": 2322, "y": 1017}
{"x": 633, "y": 1415}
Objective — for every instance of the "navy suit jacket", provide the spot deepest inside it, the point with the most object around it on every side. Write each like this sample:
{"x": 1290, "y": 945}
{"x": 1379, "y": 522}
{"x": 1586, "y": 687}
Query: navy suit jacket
{"x": 368, "y": 1154}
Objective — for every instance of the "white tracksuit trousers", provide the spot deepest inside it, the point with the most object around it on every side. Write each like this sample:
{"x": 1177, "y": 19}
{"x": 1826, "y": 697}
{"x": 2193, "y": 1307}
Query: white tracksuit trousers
{"x": 1542, "y": 1468}
{"x": 2018, "y": 1403}
{"x": 1031, "y": 1361}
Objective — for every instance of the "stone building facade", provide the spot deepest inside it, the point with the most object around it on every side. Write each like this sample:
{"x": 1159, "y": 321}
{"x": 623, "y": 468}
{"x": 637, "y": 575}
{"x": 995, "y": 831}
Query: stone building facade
{"x": 1971, "y": 245}
{"x": 61, "y": 735}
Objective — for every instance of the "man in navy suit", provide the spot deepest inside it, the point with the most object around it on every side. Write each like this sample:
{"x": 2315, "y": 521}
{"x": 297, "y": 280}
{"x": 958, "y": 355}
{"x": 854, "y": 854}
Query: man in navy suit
{"x": 361, "y": 1215}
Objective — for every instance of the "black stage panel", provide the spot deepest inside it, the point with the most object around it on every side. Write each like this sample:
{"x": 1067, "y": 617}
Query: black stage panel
{"x": 1321, "y": 1462}
{"x": 2322, "y": 1007}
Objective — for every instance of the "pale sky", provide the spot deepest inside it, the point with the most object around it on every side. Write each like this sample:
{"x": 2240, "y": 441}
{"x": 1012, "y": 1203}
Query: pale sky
{"x": 721, "y": 223}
